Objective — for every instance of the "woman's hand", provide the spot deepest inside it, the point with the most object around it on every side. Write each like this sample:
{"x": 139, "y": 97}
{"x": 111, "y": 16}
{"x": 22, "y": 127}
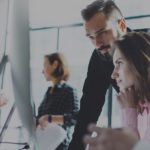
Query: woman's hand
{"x": 43, "y": 121}
{"x": 127, "y": 98}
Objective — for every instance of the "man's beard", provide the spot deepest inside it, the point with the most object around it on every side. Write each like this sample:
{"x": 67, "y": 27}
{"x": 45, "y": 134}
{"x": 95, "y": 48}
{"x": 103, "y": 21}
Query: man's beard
{"x": 106, "y": 56}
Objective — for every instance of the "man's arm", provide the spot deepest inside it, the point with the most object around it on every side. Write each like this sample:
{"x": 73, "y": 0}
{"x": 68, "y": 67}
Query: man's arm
{"x": 110, "y": 139}
{"x": 95, "y": 86}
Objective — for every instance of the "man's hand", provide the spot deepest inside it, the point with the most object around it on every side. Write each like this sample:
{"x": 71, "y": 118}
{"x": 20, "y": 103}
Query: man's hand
{"x": 110, "y": 139}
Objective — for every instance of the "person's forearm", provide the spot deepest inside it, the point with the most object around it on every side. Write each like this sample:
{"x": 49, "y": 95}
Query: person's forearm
{"x": 58, "y": 119}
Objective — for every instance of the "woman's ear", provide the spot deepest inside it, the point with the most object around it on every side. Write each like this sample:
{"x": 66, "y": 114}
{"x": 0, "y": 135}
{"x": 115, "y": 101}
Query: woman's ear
{"x": 57, "y": 68}
{"x": 55, "y": 64}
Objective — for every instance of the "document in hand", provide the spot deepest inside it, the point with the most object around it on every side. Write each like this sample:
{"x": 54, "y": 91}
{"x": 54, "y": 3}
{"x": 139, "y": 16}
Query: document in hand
{"x": 50, "y": 137}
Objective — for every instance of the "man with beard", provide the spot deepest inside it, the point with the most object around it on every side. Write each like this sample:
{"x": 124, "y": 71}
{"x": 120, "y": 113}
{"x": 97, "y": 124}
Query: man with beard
{"x": 103, "y": 22}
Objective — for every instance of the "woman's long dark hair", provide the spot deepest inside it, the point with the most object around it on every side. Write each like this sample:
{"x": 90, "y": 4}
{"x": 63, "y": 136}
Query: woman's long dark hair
{"x": 135, "y": 47}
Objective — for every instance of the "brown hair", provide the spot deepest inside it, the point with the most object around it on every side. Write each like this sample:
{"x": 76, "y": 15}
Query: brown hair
{"x": 62, "y": 70}
{"x": 136, "y": 49}
{"x": 105, "y": 6}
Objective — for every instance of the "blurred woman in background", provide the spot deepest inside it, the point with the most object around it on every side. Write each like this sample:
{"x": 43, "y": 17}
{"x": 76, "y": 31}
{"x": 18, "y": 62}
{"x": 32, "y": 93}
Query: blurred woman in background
{"x": 60, "y": 104}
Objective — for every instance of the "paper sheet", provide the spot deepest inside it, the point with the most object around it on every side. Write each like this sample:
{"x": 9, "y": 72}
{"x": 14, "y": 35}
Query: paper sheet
{"x": 50, "y": 137}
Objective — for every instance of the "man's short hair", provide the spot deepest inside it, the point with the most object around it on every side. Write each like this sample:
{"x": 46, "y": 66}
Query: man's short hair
{"x": 105, "y": 6}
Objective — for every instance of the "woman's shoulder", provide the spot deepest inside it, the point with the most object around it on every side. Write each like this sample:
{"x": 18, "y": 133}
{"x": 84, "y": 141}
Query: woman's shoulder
{"x": 68, "y": 87}
{"x": 145, "y": 104}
